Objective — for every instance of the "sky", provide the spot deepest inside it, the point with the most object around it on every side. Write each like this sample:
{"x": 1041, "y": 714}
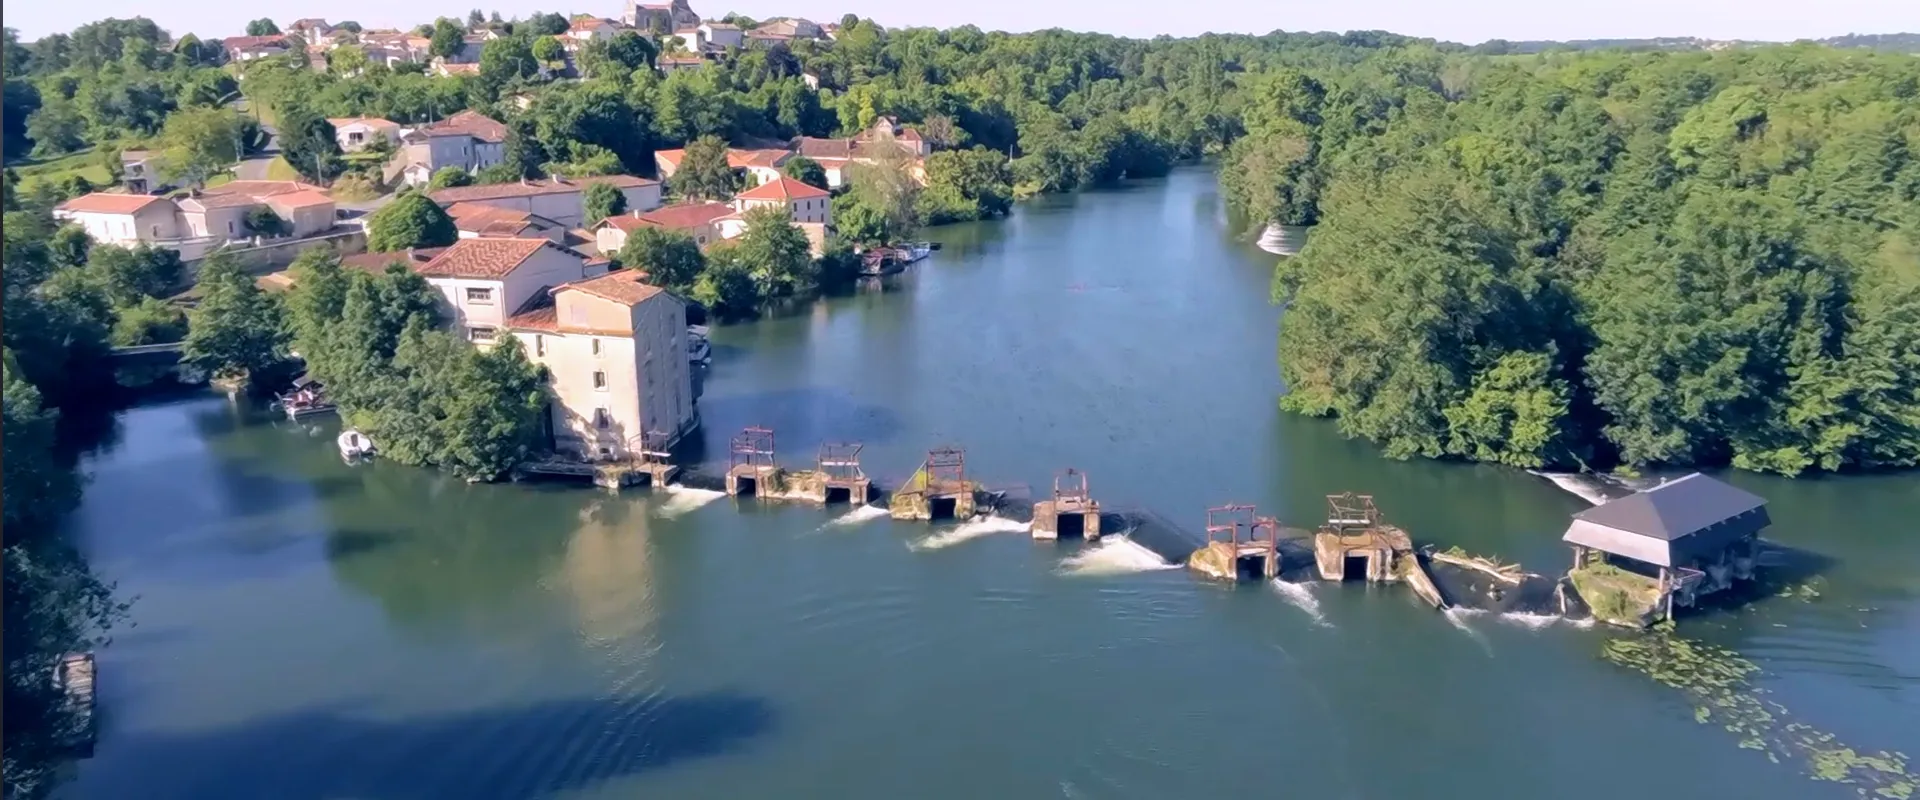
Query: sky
{"x": 1467, "y": 21}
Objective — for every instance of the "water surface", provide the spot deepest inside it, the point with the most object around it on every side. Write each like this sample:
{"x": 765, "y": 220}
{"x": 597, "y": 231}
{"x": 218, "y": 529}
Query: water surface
{"x": 311, "y": 630}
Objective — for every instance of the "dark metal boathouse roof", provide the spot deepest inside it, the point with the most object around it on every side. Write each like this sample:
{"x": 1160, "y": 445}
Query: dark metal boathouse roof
{"x": 1671, "y": 524}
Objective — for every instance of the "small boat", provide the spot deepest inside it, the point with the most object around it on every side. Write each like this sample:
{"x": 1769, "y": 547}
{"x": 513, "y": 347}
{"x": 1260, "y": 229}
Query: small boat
{"x": 916, "y": 251}
{"x": 699, "y": 350}
{"x": 354, "y": 445}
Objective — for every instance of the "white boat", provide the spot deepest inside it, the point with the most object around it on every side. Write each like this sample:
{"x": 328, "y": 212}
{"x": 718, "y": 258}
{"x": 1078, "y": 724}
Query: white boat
{"x": 354, "y": 444}
{"x": 917, "y": 251}
{"x": 699, "y": 350}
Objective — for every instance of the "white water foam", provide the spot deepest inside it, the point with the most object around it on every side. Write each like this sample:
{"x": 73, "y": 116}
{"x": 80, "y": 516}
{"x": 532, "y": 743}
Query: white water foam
{"x": 968, "y": 531}
{"x": 1113, "y": 555}
{"x": 1457, "y": 617}
{"x": 1538, "y": 621}
{"x": 857, "y": 516}
{"x": 1579, "y": 485}
{"x": 1301, "y": 596}
{"x": 681, "y": 499}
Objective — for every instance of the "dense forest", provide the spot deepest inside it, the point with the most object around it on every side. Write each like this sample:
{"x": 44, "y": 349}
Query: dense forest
{"x": 1563, "y": 259}
{"x": 1602, "y": 258}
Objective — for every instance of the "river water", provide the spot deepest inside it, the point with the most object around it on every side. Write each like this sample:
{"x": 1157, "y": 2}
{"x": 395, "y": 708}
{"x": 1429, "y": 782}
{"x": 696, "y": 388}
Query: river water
{"x": 306, "y": 629}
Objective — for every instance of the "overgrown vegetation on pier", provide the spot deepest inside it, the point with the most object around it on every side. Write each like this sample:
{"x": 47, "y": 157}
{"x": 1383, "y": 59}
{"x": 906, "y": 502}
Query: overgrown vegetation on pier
{"x": 1567, "y": 260}
{"x": 1614, "y": 594}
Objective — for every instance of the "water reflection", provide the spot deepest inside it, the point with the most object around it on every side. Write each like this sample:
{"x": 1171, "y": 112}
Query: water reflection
{"x": 607, "y": 572}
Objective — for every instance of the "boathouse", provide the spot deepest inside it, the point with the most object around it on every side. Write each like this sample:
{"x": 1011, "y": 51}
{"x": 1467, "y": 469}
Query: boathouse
{"x": 1635, "y": 558}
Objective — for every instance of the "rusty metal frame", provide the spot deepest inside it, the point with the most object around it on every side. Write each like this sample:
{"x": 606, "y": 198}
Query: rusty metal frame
{"x": 1070, "y": 488}
{"x": 752, "y": 448}
{"x": 1349, "y": 510}
{"x": 840, "y": 462}
{"x": 1225, "y": 523}
{"x": 946, "y": 470}
{"x": 650, "y": 448}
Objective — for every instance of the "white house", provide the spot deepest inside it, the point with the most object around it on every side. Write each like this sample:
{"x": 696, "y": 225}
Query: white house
{"x": 587, "y": 29}
{"x": 722, "y": 34}
{"x": 122, "y": 219}
{"x": 668, "y": 64}
{"x": 358, "y": 133}
{"x": 559, "y": 199}
{"x": 760, "y": 166}
{"x": 485, "y": 280}
{"x": 615, "y": 352}
{"x": 248, "y": 48}
{"x": 805, "y": 203}
{"x": 200, "y": 220}
{"x": 469, "y": 140}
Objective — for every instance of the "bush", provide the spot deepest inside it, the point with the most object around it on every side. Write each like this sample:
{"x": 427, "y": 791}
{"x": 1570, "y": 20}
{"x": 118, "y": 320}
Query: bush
{"x": 355, "y": 189}
{"x": 262, "y": 220}
{"x": 150, "y": 321}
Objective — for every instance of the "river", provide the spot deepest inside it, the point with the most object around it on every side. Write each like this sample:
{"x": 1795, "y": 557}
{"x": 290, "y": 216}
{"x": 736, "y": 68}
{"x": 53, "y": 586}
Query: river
{"x": 305, "y": 629}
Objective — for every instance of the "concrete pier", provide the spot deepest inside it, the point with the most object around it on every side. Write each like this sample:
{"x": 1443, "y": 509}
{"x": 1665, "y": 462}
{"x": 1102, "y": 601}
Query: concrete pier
{"x": 1071, "y": 512}
{"x": 750, "y": 465}
{"x": 938, "y": 490}
{"x": 1239, "y": 544}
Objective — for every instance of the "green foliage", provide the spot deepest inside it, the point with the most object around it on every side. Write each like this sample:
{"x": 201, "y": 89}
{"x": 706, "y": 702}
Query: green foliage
{"x": 1603, "y": 258}
{"x": 602, "y": 200}
{"x": 805, "y": 170}
{"x": 263, "y": 221}
{"x": 131, "y": 275}
{"x": 69, "y": 246}
{"x": 884, "y": 183}
{"x": 448, "y": 38}
{"x": 411, "y": 220}
{"x": 236, "y": 330}
{"x": 308, "y": 143}
{"x": 199, "y": 142}
{"x": 669, "y": 257}
{"x": 704, "y": 173}
{"x": 262, "y": 27}
{"x": 727, "y": 285}
{"x": 150, "y": 321}
{"x": 448, "y": 178}
{"x": 426, "y": 396}
{"x": 548, "y": 50}
{"x": 965, "y": 185}
{"x": 775, "y": 252}
{"x": 859, "y": 222}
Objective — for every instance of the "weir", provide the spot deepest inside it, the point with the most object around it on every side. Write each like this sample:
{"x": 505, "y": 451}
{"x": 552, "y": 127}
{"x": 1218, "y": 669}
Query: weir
{"x": 938, "y": 490}
{"x": 1071, "y": 513}
{"x": 750, "y": 464}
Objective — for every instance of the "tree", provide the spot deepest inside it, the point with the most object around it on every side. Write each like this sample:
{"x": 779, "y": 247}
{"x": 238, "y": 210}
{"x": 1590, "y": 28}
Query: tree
{"x": 631, "y": 51}
{"x": 602, "y": 200}
{"x": 726, "y": 286}
{"x": 884, "y": 182}
{"x": 131, "y": 275}
{"x": 476, "y": 18}
{"x": 56, "y": 128}
{"x": 966, "y": 185}
{"x": 776, "y": 252}
{"x": 506, "y": 62}
{"x": 548, "y": 50}
{"x": 235, "y": 331}
{"x": 411, "y": 220}
{"x": 347, "y": 60}
{"x": 859, "y": 222}
{"x": 447, "y": 39}
{"x": 198, "y": 143}
{"x": 310, "y": 145}
{"x": 669, "y": 257}
{"x": 448, "y": 178}
{"x": 69, "y": 247}
{"x": 704, "y": 173}
{"x": 524, "y": 153}
{"x": 150, "y": 321}
{"x": 805, "y": 170}
{"x": 264, "y": 222}
{"x": 262, "y": 27}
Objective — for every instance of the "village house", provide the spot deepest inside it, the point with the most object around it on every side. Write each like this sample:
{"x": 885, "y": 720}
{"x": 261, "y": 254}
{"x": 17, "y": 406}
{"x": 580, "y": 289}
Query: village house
{"x": 136, "y": 171}
{"x": 722, "y": 34}
{"x": 810, "y": 208}
{"x": 660, "y": 17}
{"x": 358, "y": 133}
{"x": 478, "y": 220}
{"x": 784, "y": 30}
{"x": 697, "y": 220}
{"x": 483, "y": 280}
{"x": 587, "y": 29}
{"x": 758, "y": 166}
{"x": 468, "y": 140}
{"x": 1636, "y": 558}
{"x": 615, "y": 352}
{"x": 201, "y": 220}
{"x": 248, "y": 48}
{"x": 887, "y": 129}
{"x": 675, "y": 62}
{"x": 559, "y": 199}
{"x": 690, "y": 39}
{"x": 393, "y": 47}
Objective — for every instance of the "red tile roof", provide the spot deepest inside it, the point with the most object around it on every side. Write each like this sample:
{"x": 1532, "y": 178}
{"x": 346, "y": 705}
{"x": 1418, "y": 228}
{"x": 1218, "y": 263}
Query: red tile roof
{"x": 741, "y": 159}
{"x": 782, "y": 188}
{"x": 109, "y": 203}
{"x": 824, "y": 148}
{"x": 249, "y": 42}
{"x": 371, "y": 122}
{"x": 469, "y": 123}
{"x": 489, "y": 220}
{"x": 481, "y": 258}
{"x": 496, "y": 191}
{"x": 300, "y": 199}
{"x": 683, "y": 216}
{"x": 261, "y": 188}
{"x": 542, "y": 317}
{"x": 623, "y": 286}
